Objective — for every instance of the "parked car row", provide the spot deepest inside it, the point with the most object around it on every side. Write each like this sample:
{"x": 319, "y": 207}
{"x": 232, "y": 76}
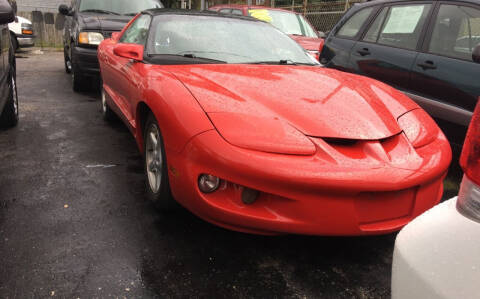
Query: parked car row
{"x": 213, "y": 116}
{"x": 248, "y": 131}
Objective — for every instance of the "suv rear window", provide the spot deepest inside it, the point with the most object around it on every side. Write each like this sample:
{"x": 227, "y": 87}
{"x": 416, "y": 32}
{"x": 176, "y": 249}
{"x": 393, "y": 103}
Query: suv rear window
{"x": 351, "y": 28}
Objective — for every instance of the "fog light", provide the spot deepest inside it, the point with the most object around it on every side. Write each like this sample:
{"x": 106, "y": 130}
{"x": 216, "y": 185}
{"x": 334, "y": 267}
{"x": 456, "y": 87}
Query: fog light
{"x": 249, "y": 196}
{"x": 208, "y": 183}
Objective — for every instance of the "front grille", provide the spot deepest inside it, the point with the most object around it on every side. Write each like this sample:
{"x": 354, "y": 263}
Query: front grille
{"x": 340, "y": 141}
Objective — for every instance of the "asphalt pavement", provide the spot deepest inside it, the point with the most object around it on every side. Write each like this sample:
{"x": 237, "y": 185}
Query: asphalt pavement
{"x": 74, "y": 222}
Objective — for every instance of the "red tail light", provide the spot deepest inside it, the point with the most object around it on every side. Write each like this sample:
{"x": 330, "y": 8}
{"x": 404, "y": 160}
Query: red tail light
{"x": 322, "y": 43}
{"x": 470, "y": 158}
{"x": 469, "y": 197}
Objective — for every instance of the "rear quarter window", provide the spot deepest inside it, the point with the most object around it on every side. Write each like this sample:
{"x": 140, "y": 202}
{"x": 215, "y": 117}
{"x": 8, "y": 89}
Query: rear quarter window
{"x": 353, "y": 25}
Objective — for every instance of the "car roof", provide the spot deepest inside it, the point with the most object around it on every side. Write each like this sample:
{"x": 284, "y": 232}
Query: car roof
{"x": 376, "y": 2}
{"x": 241, "y": 6}
{"x": 186, "y": 12}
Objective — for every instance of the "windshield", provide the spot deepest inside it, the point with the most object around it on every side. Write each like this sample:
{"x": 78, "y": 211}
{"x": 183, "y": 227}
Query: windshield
{"x": 118, "y": 7}
{"x": 288, "y": 22}
{"x": 224, "y": 39}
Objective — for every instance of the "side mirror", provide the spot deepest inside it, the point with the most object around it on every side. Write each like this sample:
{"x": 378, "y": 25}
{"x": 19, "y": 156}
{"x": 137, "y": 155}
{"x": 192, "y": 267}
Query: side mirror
{"x": 64, "y": 10}
{"x": 116, "y": 36}
{"x": 130, "y": 51}
{"x": 6, "y": 12}
{"x": 476, "y": 54}
{"x": 321, "y": 34}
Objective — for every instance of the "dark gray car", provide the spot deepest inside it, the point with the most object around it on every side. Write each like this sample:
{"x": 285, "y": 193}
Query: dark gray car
{"x": 428, "y": 49}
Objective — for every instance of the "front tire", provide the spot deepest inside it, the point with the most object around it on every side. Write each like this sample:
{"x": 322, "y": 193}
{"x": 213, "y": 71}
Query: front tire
{"x": 107, "y": 112}
{"x": 14, "y": 42}
{"x": 79, "y": 82}
{"x": 9, "y": 117}
{"x": 156, "y": 174}
{"x": 68, "y": 62}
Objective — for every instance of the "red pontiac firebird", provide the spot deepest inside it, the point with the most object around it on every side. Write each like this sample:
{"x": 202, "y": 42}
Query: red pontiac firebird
{"x": 242, "y": 127}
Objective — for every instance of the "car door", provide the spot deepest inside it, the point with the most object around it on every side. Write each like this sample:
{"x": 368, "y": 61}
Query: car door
{"x": 388, "y": 49}
{"x": 445, "y": 79}
{"x": 336, "y": 51}
{"x": 123, "y": 79}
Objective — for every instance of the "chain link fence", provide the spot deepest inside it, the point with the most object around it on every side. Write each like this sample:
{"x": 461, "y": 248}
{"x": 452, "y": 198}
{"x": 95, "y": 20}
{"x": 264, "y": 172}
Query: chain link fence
{"x": 323, "y": 15}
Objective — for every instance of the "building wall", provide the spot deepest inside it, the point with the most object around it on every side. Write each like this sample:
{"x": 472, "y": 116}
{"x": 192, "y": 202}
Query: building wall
{"x": 41, "y": 5}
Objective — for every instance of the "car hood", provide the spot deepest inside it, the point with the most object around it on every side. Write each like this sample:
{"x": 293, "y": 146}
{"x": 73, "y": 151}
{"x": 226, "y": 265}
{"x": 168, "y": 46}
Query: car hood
{"x": 104, "y": 22}
{"x": 308, "y": 43}
{"x": 22, "y": 20}
{"x": 316, "y": 101}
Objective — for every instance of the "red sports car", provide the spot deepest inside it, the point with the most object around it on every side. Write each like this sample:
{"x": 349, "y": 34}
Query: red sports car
{"x": 249, "y": 132}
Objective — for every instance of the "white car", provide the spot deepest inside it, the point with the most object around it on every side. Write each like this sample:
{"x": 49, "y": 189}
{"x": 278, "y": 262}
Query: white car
{"x": 438, "y": 254}
{"x": 21, "y": 31}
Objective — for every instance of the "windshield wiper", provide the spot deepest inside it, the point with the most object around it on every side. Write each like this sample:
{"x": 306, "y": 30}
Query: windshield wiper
{"x": 273, "y": 62}
{"x": 101, "y": 11}
{"x": 189, "y": 55}
{"x": 281, "y": 62}
{"x": 130, "y": 14}
{"x": 193, "y": 56}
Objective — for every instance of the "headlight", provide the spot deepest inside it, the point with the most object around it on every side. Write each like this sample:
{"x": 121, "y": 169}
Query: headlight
{"x": 27, "y": 29}
{"x": 90, "y": 38}
{"x": 419, "y": 127}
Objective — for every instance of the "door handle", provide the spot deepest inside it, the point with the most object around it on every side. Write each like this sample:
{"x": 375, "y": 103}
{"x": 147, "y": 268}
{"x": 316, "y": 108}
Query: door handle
{"x": 427, "y": 65}
{"x": 364, "y": 52}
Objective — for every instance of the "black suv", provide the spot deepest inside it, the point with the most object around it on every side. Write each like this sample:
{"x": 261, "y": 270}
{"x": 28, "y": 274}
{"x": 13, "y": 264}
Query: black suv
{"x": 88, "y": 23}
{"x": 428, "y": 49}
{"x": 8, "y": 86}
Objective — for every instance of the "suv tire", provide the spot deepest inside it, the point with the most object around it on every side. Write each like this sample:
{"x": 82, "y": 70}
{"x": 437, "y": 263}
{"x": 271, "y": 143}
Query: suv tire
{"x": 9, "y": 116}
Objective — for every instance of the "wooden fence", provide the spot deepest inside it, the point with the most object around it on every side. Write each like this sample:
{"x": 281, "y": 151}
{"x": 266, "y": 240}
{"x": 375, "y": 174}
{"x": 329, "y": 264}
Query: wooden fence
{"x": 47, "y": 27}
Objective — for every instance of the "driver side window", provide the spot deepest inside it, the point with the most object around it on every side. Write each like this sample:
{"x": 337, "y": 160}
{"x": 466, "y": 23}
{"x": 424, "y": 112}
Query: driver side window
{"x": 137, "y": 33}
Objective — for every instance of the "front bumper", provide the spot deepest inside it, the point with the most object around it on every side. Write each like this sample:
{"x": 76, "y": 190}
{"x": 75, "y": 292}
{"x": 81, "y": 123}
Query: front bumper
{"x": 437, "y": 256}
{"x": 26, "y": 41}
{"x": 86, "y": 61}
{"x": 304, "y": 194}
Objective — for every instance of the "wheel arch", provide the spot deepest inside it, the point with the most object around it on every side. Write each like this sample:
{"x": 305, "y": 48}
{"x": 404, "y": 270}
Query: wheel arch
{"x": 142, "y": 112}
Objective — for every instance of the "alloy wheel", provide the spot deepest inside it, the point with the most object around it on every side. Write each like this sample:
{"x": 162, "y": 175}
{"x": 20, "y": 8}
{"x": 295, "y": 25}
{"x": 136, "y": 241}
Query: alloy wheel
{"x": 154, "y": 158}
{"x": 104, "y": 103}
